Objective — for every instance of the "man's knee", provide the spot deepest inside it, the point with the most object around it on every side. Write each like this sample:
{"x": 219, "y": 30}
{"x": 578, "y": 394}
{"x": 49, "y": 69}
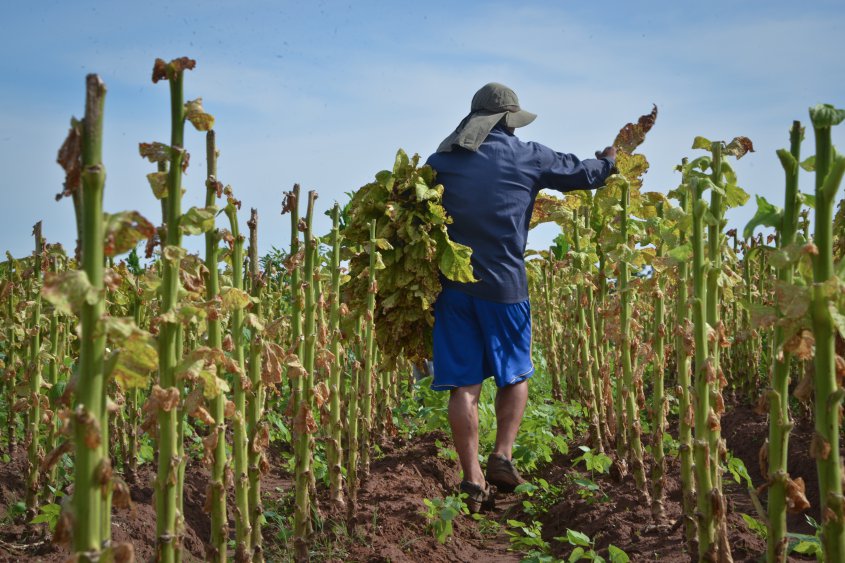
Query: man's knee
{"x": 467, "y": 395}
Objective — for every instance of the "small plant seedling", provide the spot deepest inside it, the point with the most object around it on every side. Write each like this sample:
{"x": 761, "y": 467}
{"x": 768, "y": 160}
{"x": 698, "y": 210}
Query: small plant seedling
{"x": 527, "y": 537}
{"x": 48, "y": 514}
{"x": 593, "y": 461}
{"x": 584, "y": 549}
{"x": 441, "y": 512}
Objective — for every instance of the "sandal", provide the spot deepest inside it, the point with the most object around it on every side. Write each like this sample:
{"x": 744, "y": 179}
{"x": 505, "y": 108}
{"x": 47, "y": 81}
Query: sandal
{"x": 478, "y": 498}
{"x": 502, "y": 473}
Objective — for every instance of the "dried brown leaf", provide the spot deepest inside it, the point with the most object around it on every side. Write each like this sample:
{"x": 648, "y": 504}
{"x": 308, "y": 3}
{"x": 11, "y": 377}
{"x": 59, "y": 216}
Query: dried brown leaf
{"x": 796, "y": 499}
{"x": 632, "y": 135}
{"x": 819, "y": 447}
{"x": 802, "y": 345}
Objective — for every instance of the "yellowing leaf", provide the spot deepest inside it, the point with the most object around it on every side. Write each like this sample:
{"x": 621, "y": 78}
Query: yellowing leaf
{"x": 195, "y": 113}
{"x": 158, "y": 183}
{"x": 233, "y": 298}
{"x": 124, "y": 230}
{"x": 455, "y": 262}
{"x": 701, "y": 143}
{"x": 198, "y": 220}
{"x": 68, "y": 291}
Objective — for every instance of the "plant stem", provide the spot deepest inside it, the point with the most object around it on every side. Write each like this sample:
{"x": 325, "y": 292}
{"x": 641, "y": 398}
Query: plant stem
{"x": 780, "y": 421}
{"x": 88, "y": 412}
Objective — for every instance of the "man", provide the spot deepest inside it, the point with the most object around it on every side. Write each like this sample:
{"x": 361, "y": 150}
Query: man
{"x": 483, "y": 329}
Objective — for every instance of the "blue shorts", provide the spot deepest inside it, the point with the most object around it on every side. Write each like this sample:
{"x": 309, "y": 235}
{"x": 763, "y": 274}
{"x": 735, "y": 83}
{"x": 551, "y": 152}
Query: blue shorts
{"x": 475, "y": 339}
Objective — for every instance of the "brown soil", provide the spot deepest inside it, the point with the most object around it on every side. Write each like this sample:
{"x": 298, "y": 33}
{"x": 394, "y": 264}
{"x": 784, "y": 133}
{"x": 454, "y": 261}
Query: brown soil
{"x": 390, "y": 525}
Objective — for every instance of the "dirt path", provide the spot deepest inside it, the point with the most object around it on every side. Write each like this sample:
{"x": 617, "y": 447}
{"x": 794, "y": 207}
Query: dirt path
{"x": 390, "y": 525}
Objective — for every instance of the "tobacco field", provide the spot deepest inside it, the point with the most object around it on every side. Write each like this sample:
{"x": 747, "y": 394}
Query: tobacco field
{"x": 162, "y": 405}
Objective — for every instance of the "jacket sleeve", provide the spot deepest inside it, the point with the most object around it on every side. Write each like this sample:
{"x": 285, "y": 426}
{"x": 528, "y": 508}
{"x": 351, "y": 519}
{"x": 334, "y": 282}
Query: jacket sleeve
{"x": 566, "y": 172}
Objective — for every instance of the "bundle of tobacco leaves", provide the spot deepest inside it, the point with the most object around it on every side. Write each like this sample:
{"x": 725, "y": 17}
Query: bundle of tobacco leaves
{"x": 412, "y": 250}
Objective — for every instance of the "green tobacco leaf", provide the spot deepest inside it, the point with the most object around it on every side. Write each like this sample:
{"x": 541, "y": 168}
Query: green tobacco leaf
{"x": 633, "y": 168}
{"x": 762, "y": 316}
{"x": 173, "y": 254}
{"x": 198, "y": 220}
{"x": 577, "y": 554}
{"x": 201, "y": 366}
{"x": 701, "y": 143}
{"x": 548, "y": 208}
{"x": 134, "y": 355}
{"x": 793, "y": 301}
{"x": 195, "y": 113}
{"x": 158, "y": 183}
{"x": 632, "y": 135}
{"x": 124, "y": 230}
{"x": 837, "y": 317}
{"x": 735, "y": 196}
{"x": 68, "y": 291}
{"x": 808, "y": 164}
{"x": 577, "y": 538}
{"x": 755, "y": 525}
{"x": 826, "y": 115}
{"x": 807, "y": 199}
{"x": 787, "y": 160}
{"x": 212, "y": 385}
{"x": 767, "y": 215}
{"x": 425, "y": 193}
{"x": 681, "y": 254}
{"x": 617, "y": 555}
{"x": 455, "y": 262}
{"x": 233, "y": 298}
{"x": 136, "y": 361}
{"x": 413, "y": 245}
{"x": 785, "y": 257}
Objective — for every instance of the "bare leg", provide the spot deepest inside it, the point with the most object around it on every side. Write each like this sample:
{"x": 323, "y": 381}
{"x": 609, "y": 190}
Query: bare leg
{"x": 463, "y": 418}
{"x": 510, "y": 405}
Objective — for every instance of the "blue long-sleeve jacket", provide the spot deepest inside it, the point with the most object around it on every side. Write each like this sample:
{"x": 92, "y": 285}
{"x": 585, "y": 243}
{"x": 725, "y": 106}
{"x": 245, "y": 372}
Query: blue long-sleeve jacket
{"x": 490, "y": 196}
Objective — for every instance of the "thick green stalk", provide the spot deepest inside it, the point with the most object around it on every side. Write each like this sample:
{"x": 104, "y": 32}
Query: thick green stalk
{"x": 704, "y": 376}
{"x": 304, "y": 415}
{"x": 353, "y": 413}
{"x": 167, "y": 538}
{"x": 256, "y": 427}
{"x": 602, "y": 346}
{"x": 780, "y": 421}
{"x": 134, "y": 398}
{"x": 549, "y": 333}
{"x": 366, "y": 386}
{"x": 334, "y": 450}
{"x": 584, "y": 347}
{"x": 243, "y": 532}
{"x": 89, "y": 417}
{"x": 715, "y": 241}
{"x": 57, "y": 342}
{"x": 828, "y": 395}
{"x": 659, "y": 401}
{"x": 747, "y": 344}
{"x": 685, "y": 407}
{"x": 714, "y": 270}
{"x": 219, "y": 523}
{"x": 35, "y": 371}
{"x": 598, "y": 382}
{"x": 628, "y": 389}
{"x": 11, "y": 362}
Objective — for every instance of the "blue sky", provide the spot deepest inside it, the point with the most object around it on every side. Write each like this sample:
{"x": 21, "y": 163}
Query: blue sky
{"x": 323, "y": 93}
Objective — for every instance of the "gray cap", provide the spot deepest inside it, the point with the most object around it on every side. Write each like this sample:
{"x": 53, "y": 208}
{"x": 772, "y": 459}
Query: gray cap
{"x": 492, "y": 102}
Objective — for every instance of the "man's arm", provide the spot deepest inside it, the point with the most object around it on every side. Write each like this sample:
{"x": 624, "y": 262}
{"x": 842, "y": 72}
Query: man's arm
{"x": 566, "y": 172}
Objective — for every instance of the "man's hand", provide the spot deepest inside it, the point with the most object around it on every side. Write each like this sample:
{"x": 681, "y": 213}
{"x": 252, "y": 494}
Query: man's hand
{"x": 608, "y": 152}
